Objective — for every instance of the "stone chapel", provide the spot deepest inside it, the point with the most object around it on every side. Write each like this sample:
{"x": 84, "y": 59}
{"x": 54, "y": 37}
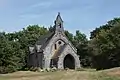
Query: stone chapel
{"x": 54, "y": 50}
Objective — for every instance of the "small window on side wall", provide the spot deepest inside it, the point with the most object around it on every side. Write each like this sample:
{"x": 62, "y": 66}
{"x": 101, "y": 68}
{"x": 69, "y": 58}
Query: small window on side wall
{"x": 55, "y": 46}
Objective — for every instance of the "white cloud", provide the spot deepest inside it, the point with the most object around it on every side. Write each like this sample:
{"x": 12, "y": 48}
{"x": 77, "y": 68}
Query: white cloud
{"x": 42, "y": 4}
{"x": 30, "y": 16}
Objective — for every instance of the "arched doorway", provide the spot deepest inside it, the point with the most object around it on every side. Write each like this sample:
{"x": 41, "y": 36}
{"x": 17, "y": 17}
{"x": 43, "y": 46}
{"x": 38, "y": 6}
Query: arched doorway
{"x": 69, "y": 62}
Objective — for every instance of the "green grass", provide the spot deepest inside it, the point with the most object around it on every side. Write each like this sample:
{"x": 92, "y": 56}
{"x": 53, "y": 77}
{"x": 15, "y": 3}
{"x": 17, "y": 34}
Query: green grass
{"x": 82, "y": 74}
{"x": 103, "y": 76}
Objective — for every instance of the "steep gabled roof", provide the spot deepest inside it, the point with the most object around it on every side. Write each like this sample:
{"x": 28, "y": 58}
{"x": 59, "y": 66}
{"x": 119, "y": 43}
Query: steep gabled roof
{"x": 44, "y": 40}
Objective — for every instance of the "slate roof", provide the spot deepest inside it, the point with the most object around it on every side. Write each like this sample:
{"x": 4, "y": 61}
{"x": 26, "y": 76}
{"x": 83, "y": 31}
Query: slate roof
{"x": 44, "y": 40}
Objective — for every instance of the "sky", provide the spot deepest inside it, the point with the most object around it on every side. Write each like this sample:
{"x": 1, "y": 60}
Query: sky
{"x": 83, "y": 15}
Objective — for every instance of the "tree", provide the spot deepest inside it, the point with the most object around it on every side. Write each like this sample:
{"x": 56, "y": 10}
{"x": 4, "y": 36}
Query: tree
{"x": 14, "y": 47}
{"x": 80, "y": 42}
{"x": 107, "y": 26}
{"x": 105, "y": 46}
{"x": 69, "y": 36}
{"x": 9, "y": 57}
{"x": 51, "y": 29}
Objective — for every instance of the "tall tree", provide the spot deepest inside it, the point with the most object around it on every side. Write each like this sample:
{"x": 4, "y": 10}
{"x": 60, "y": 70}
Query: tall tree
{"x": 105, "y": 46}
{"x": 14, "y": 47}
{"x": 107, "y": 26}
{"x": 80, "y": 41}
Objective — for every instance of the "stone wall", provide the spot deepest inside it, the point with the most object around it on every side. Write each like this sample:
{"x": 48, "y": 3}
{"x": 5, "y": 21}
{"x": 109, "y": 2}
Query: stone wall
{"x": 69, "y": 50}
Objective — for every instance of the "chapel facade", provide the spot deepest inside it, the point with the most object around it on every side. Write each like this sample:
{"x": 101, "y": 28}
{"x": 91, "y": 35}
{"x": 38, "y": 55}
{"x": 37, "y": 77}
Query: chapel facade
{"x": 54, "y": 50}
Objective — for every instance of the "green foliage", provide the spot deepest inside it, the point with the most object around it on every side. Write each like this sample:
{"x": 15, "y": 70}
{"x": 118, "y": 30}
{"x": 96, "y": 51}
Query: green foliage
{"x": 51, "y": 29}
{"x": 105, "y": 46}
{"x": 107, "y": 26}
{"x": 14, "y": 47}
{"x": 80, "y": 42}
{"x": 69, "y": 35}
{"x": 9, "y": 59}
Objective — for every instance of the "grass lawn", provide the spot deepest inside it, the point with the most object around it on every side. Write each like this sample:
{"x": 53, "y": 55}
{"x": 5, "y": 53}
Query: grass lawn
{"x": 86, "y": 74}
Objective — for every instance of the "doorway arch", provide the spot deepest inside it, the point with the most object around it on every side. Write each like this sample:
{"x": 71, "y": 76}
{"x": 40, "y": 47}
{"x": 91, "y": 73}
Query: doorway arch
{"x": 69, "y": 62}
